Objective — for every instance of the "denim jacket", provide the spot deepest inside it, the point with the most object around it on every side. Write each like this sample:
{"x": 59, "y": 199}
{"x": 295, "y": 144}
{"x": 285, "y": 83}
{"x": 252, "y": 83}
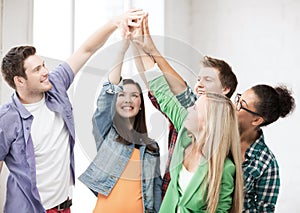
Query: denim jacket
{"x": 112, "y": 156}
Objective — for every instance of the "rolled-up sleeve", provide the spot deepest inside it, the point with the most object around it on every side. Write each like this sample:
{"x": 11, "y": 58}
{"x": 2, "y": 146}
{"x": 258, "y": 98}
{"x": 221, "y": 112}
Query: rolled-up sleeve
{"x": 187, "y": 98}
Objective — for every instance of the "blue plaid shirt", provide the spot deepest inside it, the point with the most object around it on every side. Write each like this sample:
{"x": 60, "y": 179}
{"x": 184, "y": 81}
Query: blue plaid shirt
{"x": 261, "y": 176}
{"x": 187, "y": 98}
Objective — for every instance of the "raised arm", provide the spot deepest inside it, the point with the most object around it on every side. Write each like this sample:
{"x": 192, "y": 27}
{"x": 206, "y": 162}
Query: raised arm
{"x": 115, "y": 74}
{"x": 103, "y": 116}
{"x": 168, "y": 103}
{"x": 97, "y": 40}
{"x": 138, "y": 53}
{"x": 176, "y": 82}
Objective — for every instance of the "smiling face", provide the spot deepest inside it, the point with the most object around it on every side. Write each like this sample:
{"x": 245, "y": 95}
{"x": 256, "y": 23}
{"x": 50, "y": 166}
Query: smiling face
{"x": 208, "y": 81}
{"x": 36, "y": 82}
{"x": 128, "y": 101}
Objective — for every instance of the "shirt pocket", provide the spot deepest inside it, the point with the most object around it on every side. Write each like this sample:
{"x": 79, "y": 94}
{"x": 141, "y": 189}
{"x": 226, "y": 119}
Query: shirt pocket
{"x": 18, "y": 152}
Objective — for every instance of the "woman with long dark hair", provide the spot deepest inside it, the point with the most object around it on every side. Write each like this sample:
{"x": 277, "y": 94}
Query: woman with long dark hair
{"x": 125, "y": 174}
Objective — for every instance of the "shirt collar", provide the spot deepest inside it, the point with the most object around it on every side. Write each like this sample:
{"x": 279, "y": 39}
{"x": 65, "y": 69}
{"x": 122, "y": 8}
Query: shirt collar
{"x": 19, "y": 106}
{"x": 256, "y": 147}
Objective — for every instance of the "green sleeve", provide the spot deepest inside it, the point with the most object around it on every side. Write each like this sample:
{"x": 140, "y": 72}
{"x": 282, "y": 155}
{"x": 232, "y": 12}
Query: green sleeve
{"x": 227, "y": 187}
{"x": 168, "y": 102}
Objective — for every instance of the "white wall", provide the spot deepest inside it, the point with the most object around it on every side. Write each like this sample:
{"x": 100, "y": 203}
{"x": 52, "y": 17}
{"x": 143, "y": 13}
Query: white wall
{"x": 14, "y": 30}
{"x": 10, "y": 36}
{"x": 260, "y": 39}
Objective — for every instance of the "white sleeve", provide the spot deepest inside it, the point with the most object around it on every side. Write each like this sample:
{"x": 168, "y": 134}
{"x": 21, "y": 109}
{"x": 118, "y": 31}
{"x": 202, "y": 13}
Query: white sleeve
{"x": 153, "y": 73}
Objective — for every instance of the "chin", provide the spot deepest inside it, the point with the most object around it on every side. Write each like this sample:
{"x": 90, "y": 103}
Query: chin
{"x": 49, "y": 87}
{"x": 127, "y": 115}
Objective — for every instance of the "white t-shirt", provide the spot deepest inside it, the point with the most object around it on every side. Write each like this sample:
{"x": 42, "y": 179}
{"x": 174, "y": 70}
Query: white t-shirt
{"x": 184, "y": 179}
{"x": 52, "y": 154}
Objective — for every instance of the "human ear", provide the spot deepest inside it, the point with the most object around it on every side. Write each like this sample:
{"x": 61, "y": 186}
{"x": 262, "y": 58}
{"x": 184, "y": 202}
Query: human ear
{"x": 225, "y": 90}
{"x": 258, "y": 120}
{"x": 19, "y": 81}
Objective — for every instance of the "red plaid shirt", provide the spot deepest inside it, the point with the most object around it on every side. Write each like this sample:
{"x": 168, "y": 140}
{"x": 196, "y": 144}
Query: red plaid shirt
{"x": 171, "y": 145}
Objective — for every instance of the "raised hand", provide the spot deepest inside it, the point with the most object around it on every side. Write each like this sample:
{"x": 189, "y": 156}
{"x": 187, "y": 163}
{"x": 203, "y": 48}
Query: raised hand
{"x": 126, "y": 24}
{"x": 126, "y": 36}
{"x": 143, "y": 39}
{"x": 145, "y": 45}
{"x": 130, "y": 19}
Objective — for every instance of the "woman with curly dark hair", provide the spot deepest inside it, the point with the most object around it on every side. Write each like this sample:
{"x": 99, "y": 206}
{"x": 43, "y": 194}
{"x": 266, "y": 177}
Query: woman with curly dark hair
{"x": 260, "y": 106}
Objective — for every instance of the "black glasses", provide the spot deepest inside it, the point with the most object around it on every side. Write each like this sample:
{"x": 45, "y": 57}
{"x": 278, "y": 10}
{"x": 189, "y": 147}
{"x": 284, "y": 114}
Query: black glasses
{"x": 238, "y": 104}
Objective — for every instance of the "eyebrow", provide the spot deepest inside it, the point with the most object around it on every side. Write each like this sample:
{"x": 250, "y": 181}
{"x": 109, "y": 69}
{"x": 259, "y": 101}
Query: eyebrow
{"x": 38, "y": 66}
{"x": 244, "y": 102}
{"x": 205, "y": 76}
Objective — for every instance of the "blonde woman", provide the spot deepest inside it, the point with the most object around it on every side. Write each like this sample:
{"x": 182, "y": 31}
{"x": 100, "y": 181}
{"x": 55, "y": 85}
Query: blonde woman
{"x": 206, "y": 172}
{"x": 206, "y": 166}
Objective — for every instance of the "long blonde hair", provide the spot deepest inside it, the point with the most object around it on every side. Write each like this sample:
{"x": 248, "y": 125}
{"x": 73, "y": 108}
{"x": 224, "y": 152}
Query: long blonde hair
{"x": 220, "y": 141}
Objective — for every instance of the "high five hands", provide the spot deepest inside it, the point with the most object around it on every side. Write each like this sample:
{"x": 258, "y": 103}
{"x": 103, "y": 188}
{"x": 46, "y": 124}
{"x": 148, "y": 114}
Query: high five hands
{"x": 134, "y": 27}
{"x": 142, "y": 38}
